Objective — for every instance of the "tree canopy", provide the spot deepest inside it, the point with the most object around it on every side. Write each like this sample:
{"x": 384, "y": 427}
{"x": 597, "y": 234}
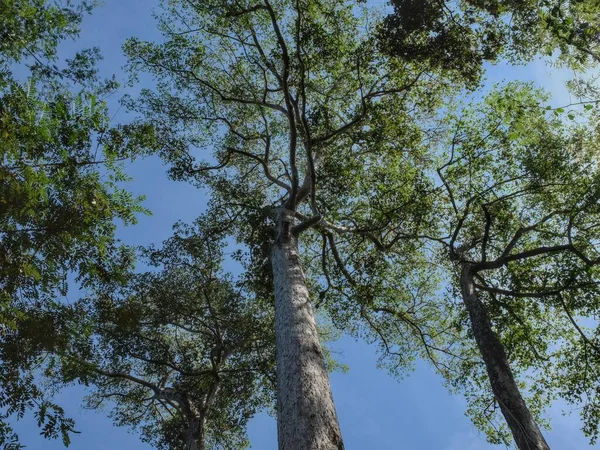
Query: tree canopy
{"x": 60, "y": 182}
{"x": 519, "y": 192}
{"x": 184, "y": 351}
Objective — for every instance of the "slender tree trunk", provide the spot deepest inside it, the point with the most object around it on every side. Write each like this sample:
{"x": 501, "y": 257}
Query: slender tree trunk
{"x": 306, "y": 416}
{"x": 525, "y": 430}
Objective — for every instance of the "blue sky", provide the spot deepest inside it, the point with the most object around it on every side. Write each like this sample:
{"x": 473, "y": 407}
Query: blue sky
{"x": 375, "y": 410}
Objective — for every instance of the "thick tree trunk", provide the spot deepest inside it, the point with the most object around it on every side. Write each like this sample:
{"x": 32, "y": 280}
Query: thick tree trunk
{"x": 306, "y": 416}
{"x": 524, "y": 429}
{"x": 195, "y": 437}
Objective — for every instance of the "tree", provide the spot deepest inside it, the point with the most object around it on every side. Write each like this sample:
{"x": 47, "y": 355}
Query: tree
{"x": 56, "y": 210}
{"x": 511, "y": 235}
{"x": 297, "y": 104}
{"x": 184, "y": 352}
{"x": 520, "y": 215}
{"x": 459, "y": 37}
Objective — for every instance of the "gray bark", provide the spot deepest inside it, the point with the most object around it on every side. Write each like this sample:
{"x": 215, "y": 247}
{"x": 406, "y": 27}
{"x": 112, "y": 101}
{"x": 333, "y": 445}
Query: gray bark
{"x": 525, "y": 430}
{"x": 195, "y": 438}
{"x": 306, "y": 416}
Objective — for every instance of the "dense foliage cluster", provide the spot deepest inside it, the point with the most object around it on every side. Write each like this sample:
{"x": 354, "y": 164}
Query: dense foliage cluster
{"x": 59, "y": 184}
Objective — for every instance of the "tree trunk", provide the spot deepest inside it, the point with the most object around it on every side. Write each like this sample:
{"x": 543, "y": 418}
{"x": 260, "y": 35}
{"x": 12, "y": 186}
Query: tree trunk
{"x": 194, "y": 439}
{"x": 524, "y": 429}
{"x": 306, "y": 416}
{"x": 200, "y": 435}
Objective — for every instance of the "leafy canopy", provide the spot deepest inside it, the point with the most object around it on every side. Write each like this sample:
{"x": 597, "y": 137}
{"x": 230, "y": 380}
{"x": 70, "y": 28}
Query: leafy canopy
{"x": 518, "y": 200}
{"x": 60, "y": 183}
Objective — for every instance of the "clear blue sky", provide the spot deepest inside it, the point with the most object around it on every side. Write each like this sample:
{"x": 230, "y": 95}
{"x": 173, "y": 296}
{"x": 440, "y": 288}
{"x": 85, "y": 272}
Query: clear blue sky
{"x": 376, "y": 411}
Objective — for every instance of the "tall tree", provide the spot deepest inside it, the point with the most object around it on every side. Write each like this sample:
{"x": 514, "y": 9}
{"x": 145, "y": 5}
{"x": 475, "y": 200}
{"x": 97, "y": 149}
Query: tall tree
{"x": 296, "y": 102}
{"x": 520, "y": 215}
{"x": 184, "y": 352}
{"x": 59, "y": 176}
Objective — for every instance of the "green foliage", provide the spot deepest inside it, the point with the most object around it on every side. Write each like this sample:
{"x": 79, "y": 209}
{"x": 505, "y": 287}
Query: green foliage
{"x": 182, "y": 342}
{"x": 34, "y": 28}
{"x": 22, "y": 350}
{"x": 56, "y": 212}
{"x": 60, "y": 184}
{"x": 302, "y": 111}
{"x": 518, "y": 202}
{"x": 460, "y": 36}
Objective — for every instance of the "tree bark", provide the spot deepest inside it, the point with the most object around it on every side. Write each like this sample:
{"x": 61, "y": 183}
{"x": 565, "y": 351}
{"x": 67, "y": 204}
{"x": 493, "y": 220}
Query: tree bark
{"x": 306, "y": 416}
{"x": 525, "y": 430}
{"x": 195, "y": 438}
